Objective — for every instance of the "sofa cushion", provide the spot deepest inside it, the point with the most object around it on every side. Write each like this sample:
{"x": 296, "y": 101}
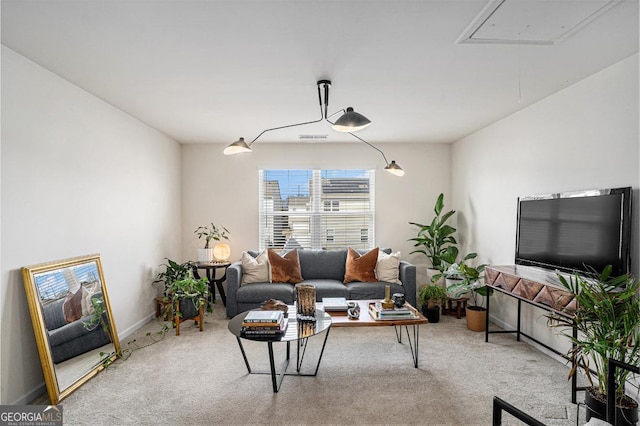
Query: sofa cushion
{"x": 360, "y": 267}
{"x": 255, "y": 269}
{"x": 285, "y": 269}
{"x": 322, "y": 264}
{"x": 72, "y": 306}
{"x": 328, "y": 288}
{"x": 371, "y": 290}
{"x": 388, "y": 267}
{"x": 260, "y": 292}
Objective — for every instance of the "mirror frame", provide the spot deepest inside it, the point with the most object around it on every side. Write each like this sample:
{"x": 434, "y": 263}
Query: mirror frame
{"x": 39, "y": 327}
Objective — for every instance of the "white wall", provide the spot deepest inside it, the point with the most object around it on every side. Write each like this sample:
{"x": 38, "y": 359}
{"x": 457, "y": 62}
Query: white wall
{"x": 585, "y": 136}
{"x": 78, "y": 177}
{"x": 224, "y": 189}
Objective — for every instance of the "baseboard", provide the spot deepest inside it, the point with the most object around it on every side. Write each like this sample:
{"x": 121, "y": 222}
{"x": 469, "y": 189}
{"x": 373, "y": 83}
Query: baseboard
{"x": 41, "y": 389}
{"x": 28, "y": 398}
{"x": 505, "y": 326}
{"x": 135, "y": 327}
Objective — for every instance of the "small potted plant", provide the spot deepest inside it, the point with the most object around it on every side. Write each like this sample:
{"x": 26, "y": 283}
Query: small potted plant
{"x": 210, "y": 232}
{"x": 188, "y": 298}
{"x": 431, "y": 297}
{"x": 607, "y": 318}
{"x": 436, "y": 239}
{"x": 469, "y": 282}
{"x": 173, "y": 271}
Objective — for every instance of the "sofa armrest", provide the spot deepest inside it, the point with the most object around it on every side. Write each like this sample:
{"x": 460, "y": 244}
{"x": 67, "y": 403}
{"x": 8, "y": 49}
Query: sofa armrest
{"x": 408, "y": 278}
{"x": 234, "y": 278}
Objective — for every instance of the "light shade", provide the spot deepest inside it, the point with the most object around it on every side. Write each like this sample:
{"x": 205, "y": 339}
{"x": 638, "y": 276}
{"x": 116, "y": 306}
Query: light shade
{"x": 393, "y": 168}
{"x": 222, "y": 251}
{"x": 237, "y": 147}
{"x": 351, "y": 121}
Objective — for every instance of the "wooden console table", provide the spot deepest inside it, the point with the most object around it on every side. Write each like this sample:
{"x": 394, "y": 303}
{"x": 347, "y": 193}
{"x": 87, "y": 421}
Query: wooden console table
{"x": 535, "y": 287}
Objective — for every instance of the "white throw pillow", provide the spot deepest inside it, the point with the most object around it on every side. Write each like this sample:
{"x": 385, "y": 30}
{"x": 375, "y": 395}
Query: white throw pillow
{"x": 255, "y": 270}
{"x": 388, "y": 267}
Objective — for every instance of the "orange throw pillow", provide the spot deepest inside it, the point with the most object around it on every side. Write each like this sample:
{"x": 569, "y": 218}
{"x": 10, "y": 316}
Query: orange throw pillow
{"x": 361, "y": 268}
{"x": 285, "y": 269}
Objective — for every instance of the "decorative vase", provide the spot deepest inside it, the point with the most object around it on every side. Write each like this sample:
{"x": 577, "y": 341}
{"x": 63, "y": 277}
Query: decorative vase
{"x": 476, "y": 318}
{"x": 306, "y": 302}
{"x": 205, "y": 255}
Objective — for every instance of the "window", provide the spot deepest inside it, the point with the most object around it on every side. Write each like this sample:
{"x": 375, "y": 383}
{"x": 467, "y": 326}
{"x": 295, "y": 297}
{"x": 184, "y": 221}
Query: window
{"x": 332, "y": 206}
{"x": 364, "y": 235}
{"x": 331, "y": 235}
{"x": 316, "y": 209}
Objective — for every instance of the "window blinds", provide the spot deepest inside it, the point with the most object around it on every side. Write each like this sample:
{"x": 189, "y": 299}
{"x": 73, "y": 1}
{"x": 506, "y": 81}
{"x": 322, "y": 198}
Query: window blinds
{"x": 316, "y": 209}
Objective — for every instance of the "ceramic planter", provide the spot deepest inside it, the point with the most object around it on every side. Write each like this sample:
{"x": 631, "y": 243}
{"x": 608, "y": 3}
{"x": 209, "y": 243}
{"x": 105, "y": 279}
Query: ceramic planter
{"x": 205, "y": 255}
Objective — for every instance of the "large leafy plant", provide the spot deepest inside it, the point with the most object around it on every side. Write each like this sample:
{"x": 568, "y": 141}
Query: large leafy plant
{"x": 607, "y": 318}
{"x": 173, "y": 271}
{"x": 436, "y": 239}
{"x": 468, "y": 280}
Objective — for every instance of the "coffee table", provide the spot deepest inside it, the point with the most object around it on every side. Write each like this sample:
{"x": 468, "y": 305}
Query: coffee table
{"x": 297, "y": 331}
{"x": 340, "y": 319}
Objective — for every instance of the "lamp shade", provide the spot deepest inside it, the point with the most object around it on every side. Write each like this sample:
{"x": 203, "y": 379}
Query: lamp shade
{"x": 237, "y": 147}
{"x": 394, "y": 169}
{"x": 222, "y": 251}
{"x": 351, "y": 121}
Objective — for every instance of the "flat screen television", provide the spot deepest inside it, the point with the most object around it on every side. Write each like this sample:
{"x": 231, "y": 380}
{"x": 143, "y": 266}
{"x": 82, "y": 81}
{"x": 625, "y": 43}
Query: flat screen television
{"x": 576, "y": 230}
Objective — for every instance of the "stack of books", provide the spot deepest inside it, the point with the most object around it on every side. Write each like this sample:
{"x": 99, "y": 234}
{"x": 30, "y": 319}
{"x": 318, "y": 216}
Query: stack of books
{"x": 264, "y": 323}
{"x": 378, "y": 313}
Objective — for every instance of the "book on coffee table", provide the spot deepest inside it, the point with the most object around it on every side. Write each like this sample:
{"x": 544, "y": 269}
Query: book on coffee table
{"x": 395, "y": 313}
{"x": 334, "y": 303}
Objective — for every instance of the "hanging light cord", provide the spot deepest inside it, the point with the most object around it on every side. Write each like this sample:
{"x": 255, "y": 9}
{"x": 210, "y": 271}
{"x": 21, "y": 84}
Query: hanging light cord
{"x": 323, "y": 115}
{"x": 372, "y": 146}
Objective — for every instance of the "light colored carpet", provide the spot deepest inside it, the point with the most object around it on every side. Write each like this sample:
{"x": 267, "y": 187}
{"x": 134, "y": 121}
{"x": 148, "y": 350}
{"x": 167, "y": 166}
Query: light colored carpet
{"x": 366, "y": 377}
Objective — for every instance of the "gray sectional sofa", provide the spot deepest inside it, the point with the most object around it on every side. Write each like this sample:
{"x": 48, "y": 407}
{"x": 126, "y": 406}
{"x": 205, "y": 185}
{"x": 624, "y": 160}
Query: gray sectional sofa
{"x": 325, "y": 270}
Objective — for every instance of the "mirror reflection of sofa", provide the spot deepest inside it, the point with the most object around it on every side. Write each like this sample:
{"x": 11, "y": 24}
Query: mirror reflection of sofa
{"x": 68, "y": 336}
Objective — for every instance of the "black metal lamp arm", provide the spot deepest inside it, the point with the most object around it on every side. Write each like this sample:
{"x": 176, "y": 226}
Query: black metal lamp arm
{"x": 322, "y": 115}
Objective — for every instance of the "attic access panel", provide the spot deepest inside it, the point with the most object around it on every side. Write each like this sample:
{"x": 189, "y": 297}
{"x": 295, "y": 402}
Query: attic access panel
{"x": 542, "y": 22}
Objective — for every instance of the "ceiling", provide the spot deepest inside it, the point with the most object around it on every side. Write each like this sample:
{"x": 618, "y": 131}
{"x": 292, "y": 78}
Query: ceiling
{"x": 213, "y": 71}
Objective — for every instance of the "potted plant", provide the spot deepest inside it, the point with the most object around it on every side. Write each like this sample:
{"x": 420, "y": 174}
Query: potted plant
{"x": 173, "y": 271}
{"x": 210, "y": 232}
{"x": 469, "y": 282}
{"x": 189, "y": 294}
{"x": 607, "y": 318}
{"x": 188, "y": 297}
{"x": 436, "y": 239}
{"x": 430, "y": 296}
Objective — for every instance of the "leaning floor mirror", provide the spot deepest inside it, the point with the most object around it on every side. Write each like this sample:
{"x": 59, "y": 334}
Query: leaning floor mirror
{"x": 72, "y": 321}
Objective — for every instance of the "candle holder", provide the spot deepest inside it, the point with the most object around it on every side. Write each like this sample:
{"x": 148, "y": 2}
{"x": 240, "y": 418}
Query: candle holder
{"x": 387, "y": 303}
{"x": 305, "y": 302}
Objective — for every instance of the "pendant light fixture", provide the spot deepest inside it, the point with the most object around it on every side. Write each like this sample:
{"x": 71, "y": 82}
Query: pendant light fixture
{"x": 350, "y": 121}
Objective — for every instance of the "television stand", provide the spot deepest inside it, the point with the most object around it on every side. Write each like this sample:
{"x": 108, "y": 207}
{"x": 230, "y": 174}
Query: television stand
{"x": 536, "y": 287}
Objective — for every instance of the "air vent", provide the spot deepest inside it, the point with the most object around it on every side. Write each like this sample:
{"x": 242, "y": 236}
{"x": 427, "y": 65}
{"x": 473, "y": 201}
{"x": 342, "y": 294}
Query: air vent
{"x": 532, "y": 21}
{"x": 313, "y": 138}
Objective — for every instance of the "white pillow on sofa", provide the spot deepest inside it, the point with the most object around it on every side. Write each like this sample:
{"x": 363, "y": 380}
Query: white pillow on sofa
{"x": 255, "y": 269}
{"x": 388, "y": 267}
